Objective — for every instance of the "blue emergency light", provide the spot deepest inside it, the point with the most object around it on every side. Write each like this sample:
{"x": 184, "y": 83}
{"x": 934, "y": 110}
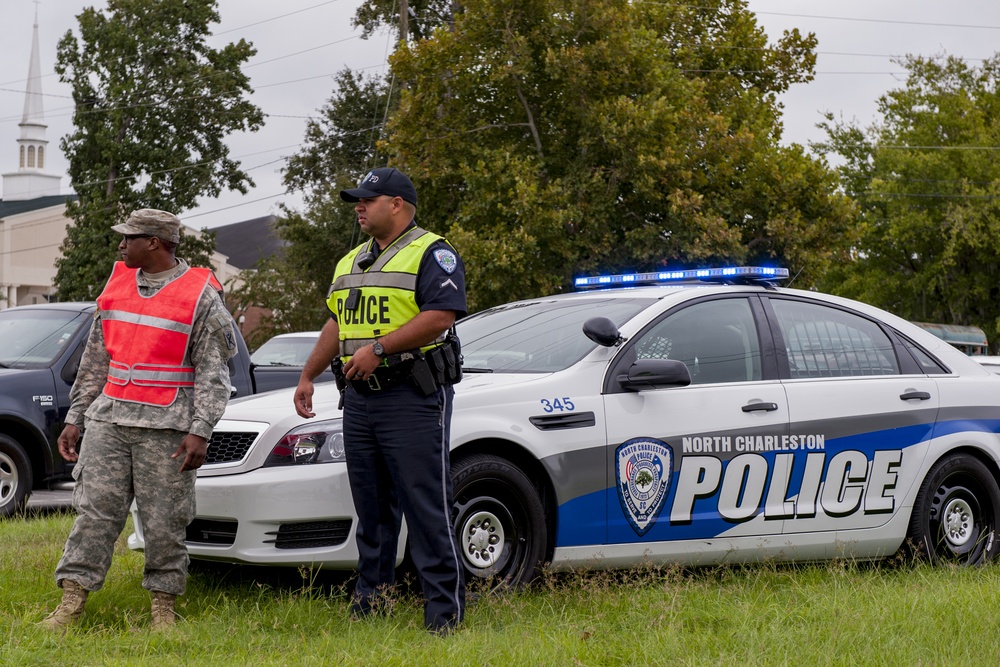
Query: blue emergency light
{"x": 729, "y": 274}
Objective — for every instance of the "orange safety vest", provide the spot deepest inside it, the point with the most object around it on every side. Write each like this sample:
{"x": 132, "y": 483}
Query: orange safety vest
{"x": 147, "y": 337}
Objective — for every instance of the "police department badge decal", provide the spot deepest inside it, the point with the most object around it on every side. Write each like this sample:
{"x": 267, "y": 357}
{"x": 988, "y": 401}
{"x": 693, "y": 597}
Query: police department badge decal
{"x": 643, "y": 468}
{"x": 446, "y": 260}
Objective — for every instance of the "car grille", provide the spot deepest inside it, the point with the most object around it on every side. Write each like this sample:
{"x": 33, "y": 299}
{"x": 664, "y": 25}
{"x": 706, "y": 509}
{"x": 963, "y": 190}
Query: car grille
{"x": 211, "y": 531}
{"x": 227, "y": 447}
{"x": 310, "y": 535}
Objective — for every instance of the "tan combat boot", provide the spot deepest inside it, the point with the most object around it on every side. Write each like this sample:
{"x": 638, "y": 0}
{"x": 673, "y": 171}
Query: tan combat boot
{"x": 69, "y": 610}
{"x": 162, "y": 610}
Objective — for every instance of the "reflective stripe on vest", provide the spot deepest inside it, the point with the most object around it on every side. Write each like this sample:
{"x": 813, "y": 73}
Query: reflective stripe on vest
{"x": 387, "y": 289}
{"x": 147, "y": 337}
{"x": 147, "y": 320}
{"x": 147, "y": 375}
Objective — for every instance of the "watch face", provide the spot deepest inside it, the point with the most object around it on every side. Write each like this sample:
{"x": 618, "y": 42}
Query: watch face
{"x": 378, "y": 349}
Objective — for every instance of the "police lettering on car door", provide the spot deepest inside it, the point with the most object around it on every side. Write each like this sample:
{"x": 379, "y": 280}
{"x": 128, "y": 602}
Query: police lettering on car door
{"x": 742, "y": 477}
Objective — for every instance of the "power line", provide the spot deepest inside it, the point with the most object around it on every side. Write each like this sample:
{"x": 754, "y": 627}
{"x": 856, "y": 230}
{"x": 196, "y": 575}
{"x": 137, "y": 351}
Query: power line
{"x": 922, "y": 195}
{"x": 243, "y": 203}
{"x": 828, "y": 18}
{"x": 275, "y": 18}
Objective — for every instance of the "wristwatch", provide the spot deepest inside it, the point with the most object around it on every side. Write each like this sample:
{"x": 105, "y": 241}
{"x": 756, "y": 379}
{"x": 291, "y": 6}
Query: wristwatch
{"x": 378, "y": 349}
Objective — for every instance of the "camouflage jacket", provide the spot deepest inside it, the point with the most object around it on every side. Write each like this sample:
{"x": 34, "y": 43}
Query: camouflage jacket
{"x": 196, "y": 410}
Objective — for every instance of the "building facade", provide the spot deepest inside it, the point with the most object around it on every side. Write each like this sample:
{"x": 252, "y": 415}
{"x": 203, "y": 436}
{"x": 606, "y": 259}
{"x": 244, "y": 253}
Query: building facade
{"x": 33, "y": 217}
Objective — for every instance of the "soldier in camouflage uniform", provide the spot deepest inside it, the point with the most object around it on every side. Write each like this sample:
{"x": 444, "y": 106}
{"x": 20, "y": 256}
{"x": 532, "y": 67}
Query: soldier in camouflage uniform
{"x": 140, "y": 445}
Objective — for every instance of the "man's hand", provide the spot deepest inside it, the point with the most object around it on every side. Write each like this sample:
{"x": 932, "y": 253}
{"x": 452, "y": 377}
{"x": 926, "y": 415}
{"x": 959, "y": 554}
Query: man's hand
{"x": 194, "y": 447}
{"x": 67, "y": 442}
{"x": 362, "y": 364}
{"x": 304, "y": 398}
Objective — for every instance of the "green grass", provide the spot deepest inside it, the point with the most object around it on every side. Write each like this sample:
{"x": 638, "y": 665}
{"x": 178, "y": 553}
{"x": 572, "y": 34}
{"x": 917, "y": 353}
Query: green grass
{"x": 839, "y": 613}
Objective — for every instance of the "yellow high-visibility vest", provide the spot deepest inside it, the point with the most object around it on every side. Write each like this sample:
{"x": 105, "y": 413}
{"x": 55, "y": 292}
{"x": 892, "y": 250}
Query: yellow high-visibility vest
{"x": 387, "y": 298}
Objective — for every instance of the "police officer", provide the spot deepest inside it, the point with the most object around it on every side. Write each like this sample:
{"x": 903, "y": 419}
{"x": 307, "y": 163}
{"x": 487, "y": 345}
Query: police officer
{"x": 392, "y": 303}
{"x": 152, "y": 383}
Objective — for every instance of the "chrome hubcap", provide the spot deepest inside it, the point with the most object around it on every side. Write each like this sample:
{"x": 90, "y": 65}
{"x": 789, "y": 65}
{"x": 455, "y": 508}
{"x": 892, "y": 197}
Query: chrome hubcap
{"x": 957, "y": 522}
{"x": 8, "y": 478}
{"x": 482, "y": 540}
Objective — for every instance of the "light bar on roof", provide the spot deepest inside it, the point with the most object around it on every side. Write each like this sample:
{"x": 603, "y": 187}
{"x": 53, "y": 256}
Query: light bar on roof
{"x": 721, "y": 275}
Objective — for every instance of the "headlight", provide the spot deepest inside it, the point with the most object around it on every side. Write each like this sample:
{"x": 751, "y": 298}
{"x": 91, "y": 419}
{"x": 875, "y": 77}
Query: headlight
{"x": 319, "y": 442}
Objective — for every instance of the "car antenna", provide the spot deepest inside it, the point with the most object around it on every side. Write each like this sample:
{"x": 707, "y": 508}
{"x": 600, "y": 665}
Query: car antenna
{"x": 794, "y": 277}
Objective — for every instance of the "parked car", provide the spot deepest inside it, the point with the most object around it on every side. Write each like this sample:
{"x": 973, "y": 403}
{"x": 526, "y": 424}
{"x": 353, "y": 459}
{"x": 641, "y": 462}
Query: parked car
{"x": 278, "y": 362}
{"x": 683, "y": 422}
{"x": 40, "y": 350}
{"x": 990, "y": 363}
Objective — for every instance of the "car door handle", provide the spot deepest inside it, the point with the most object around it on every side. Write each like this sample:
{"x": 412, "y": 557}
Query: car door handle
{"x": 919, "y": 395}
{"x": 760, "y": 405}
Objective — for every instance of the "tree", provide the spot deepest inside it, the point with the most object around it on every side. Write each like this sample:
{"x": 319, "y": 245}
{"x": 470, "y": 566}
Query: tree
{"x": 153, "y": 104}
{"x": 549, "y": 138}
{"x": 339, "y": 148}
{"x": 425, "y": 16}
{"x": 928, "y": 186}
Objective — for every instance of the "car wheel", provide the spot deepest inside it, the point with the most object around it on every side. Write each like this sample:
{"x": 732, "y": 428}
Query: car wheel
{"x": 15, "y": 477}
{"x": 499, "y": 520}
{"x": 955, "y": 517}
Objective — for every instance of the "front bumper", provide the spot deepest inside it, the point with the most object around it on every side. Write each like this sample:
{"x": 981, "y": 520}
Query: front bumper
{"x": 282, "y": 516}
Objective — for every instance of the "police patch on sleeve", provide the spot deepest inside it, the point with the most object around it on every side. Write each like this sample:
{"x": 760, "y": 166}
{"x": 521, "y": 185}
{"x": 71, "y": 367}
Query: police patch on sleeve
{"x": 643, "y": 467}
{"x": 446, "y": 260}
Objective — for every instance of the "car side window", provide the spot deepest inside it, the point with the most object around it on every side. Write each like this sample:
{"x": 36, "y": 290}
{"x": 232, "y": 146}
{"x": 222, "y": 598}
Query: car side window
{"x": 717, "y": 340}
{"x": 828, "y": 342}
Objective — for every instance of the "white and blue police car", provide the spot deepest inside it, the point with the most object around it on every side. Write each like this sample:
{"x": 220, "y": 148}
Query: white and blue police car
{"x": 692, "y": 417}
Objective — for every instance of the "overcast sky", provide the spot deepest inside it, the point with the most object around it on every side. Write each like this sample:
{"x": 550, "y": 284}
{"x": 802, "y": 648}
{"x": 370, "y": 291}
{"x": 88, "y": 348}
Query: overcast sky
{"x": 302, "y": 44}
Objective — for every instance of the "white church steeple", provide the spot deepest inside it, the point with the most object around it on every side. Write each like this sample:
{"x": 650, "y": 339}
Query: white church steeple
{"x": 30, "y": 180}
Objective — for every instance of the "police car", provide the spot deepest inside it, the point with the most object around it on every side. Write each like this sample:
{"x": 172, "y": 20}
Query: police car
{"x": 691, "y": 417}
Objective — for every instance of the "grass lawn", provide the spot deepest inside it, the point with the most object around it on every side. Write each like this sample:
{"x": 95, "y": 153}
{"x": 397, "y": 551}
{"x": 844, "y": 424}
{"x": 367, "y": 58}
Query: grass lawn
{"x": 838, "y": 613}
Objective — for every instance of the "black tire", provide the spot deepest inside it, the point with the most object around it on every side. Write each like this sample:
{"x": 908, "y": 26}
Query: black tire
{"x": 15, "y": 477}
{"x": 955, "y": 516}
{"x": 499, "y": 521}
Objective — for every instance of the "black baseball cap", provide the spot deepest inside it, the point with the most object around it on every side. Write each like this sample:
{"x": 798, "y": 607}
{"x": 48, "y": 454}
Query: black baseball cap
{"x": 383, "y": 181}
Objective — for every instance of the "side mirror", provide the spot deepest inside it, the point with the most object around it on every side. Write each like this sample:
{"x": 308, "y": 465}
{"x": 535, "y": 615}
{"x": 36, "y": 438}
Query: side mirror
{"x": 69, "y": 370}
{"x": 653, "y": 373}
{"x": 602, "y": 331}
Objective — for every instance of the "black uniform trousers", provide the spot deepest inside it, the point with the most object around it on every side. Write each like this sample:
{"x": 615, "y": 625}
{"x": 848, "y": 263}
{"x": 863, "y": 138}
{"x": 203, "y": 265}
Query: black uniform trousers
{"x": 396, "y": 442}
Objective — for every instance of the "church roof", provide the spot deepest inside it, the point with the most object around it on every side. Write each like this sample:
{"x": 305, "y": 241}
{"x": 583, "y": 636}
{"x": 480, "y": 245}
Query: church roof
{"x": 247, "y": 242}
{"x": 17, "y": 206}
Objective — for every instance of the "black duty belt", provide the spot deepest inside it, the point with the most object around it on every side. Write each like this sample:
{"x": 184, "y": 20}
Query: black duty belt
{"x": 383, "y": 378}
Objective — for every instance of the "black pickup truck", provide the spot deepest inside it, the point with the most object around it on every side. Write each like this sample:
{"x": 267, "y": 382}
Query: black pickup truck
{"x": 40, "y": 350}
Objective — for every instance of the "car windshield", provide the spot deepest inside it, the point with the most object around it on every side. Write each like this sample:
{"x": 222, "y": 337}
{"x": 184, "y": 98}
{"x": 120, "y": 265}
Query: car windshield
{"x": 540, "y": 336}
{"x": 290, "y": 351}
{"x": 36, "y": 338}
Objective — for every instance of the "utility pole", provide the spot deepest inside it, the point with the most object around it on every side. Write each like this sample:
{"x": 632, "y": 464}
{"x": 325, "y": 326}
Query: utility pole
{"x": 404, "y": 21}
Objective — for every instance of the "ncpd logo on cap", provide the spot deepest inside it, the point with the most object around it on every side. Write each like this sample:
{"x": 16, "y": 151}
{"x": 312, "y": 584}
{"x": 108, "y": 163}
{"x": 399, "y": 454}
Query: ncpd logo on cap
{"x": 387, "y": 181}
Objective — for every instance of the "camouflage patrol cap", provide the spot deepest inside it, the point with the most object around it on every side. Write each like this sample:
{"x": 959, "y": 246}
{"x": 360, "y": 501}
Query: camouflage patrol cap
{"x": 153, "y": 222}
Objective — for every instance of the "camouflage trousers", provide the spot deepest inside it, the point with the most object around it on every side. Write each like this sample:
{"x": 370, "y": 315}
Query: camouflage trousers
{"x": 118, "y": 464}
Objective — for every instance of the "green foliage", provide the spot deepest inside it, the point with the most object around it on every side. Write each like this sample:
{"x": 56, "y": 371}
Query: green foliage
{"x": 292, "y": 286}
{"x": 841, "y": 613}
{"x": 153, "y": 105}
{"x": 341, "y": 142}
{"x": 929, "y": 196}
{"x": 557, "y": 137}
{"x": 426, "y": 15}
{"x": 339, "y": 146}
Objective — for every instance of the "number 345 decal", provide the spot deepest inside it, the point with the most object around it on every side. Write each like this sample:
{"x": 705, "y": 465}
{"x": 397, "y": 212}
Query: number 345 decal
{"x": 564, "y": 404}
